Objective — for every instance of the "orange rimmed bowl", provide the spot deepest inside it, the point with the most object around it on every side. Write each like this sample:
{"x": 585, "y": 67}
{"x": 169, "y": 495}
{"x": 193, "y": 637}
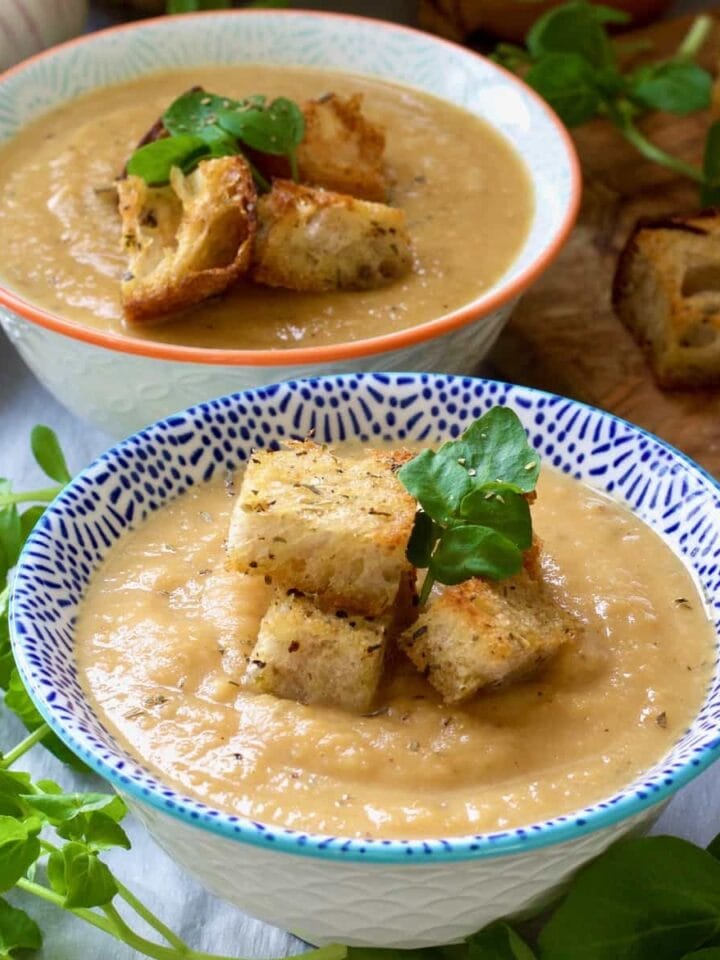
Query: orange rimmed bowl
{"x": 120, "y": 383}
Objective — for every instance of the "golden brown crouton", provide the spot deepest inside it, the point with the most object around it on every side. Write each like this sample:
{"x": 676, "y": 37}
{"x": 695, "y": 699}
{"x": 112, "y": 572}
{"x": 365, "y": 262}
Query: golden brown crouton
{"x": 341, "y": 149}
{"x": 311, "y": 239}
{"x": 305, "y": 654}
{"x": 667, "y": 292}
{"x": 334, "y": 528}
{"x": 479, "y": 634}
{"x": 187, "y": 241}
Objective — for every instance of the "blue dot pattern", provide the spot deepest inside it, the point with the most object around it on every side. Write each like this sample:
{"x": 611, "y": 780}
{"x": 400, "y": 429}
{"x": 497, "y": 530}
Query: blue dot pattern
{"x": 669, "y": 492}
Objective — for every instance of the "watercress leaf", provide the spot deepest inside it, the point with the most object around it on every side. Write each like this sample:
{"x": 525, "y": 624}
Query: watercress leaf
{"x": 710, "y": 189}
{"x": 7, "y": 662}
{"x": 572, "y": 28}
{"x": 28, "y": 519}
{"x": 48, "y": 453}
{"x": 713, "y": 847}
{"x": 653, "y": 898}
{"x": 18, "y": 931}
{"x": 497, "y": 449}
{"x": 506, "y": 511}
{"x": 437, "y": 481}
{"x": 88, "y": 881}
{"x": 676, "y": 86}
{"x": 474, "y": 551}
{"x": 96, "y": 829}
{"x": 18, "y": 700}
{"x": 422, "y": 540}
{"x": 568, "y": 83}
{"x": 12, "y": 786}
{"x": 498, "y": 942}
{"x": 191, "y": 112}
{"x": 19, "y": 847}
{"x": 191, "y": 6}
{"x": 154, "y": 161}
{"x": 59, "y": 807}
{"x": 708, "y": 953}
{"x": 48, "y": 786}
{"x": 55, "y": 869}
{"x": 10, "y": 533}
{"x": 604, "y": 14}
{"x": 277, "y": 128}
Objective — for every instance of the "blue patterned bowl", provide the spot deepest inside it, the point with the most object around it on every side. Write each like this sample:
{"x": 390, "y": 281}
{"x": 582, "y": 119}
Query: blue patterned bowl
{"x": 328, "y": 888}
{"x": 88, "y": 370}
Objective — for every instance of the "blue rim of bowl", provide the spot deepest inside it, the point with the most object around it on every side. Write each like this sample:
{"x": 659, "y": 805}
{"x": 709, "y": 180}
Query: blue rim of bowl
{"x": 523, "y": 839}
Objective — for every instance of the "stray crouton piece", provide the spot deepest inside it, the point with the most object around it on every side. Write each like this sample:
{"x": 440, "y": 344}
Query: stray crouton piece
{"x": 667, "y": 292}
{"x": 341, "y": 149}
{"x": 187, "y": 241}
{"x": 334, "y": 528}
{"x": 305, "y": 654}
{"x": 311, "y": 239}
{"x": 479, "y": 634}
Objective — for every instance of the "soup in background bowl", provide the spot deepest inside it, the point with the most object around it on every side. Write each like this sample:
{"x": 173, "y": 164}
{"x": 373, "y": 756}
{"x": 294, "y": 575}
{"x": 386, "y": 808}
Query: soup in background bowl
{"x": 485, "y": 172}
{"x": 359, "y": 884}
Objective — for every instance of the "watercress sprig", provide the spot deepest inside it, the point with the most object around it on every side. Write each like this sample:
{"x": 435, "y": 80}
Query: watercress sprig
{"x": 570, "y": 59}
{"x": 474, "y": 519}
{"x": 202, "y": 125}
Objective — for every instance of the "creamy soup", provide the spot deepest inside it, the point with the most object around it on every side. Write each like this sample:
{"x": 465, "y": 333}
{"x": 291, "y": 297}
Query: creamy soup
{"x": 466, "y": 193}
{"x": 160, "y": 658}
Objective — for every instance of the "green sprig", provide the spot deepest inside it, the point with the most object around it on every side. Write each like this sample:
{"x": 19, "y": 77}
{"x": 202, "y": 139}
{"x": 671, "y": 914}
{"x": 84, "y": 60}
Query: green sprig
{"x": 203, "y": 125}
{"x": 474, "y": 519}
{"x": 571, "y": 60}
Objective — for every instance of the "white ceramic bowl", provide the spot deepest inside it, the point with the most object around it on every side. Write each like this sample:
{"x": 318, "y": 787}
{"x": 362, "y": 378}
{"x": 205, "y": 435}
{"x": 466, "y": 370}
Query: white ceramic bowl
{"x": 121, "y": 383}
{"x": 324, "y": 888}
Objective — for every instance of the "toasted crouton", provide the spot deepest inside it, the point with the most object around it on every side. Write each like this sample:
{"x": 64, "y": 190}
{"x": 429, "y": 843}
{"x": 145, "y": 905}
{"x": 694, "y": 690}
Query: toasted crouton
{"x": 342, "y": 150}
{"x": 667, "y": 292}
{"x": 312, "y": 239}
{"x": 187, "y": 241}
{"x": 334, "y": 528}
{"x": 303, "y": 653}
{"x": 479, "y": 634}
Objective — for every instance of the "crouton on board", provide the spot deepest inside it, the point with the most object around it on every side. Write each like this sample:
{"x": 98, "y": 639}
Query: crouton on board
{"x": 334, "y": 528}
{"x": 310, "y": 239}
{"x": 303, "y": 653}
{"x": 667, "y": 292}
{"x": 479, "y": 634}
{"x": 187, "y": 241}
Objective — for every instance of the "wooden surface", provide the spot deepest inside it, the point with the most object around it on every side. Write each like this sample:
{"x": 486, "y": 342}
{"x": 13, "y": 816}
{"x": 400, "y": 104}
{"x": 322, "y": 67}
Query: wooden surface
{"x": 564, "y": 335}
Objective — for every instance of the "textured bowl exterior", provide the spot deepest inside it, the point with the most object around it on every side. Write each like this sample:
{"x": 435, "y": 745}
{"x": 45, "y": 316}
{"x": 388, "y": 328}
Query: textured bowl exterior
{"x": 376, "y": 892}
{"x": 121, "y": 392}
{"x": 169, "y": 377}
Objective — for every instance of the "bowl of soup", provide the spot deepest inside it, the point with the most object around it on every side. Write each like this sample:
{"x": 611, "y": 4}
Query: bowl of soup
{"x": 476, "y": 776}
{"x": 481, "y": 171}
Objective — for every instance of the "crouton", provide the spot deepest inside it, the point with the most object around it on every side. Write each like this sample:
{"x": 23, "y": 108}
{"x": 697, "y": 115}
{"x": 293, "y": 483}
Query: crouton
{"x": 334, "y": 528}
{"x": 187, "y": 241}
{"x": 667, "y": 292}
{"x": 305, "y": 654}
{"x": 312, "y": 239}
{"x": 479, "y": 634}
{"x": 341, "y": 149}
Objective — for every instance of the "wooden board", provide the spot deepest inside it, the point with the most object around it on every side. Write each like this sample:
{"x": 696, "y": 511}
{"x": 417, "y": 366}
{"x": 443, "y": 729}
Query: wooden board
{"x": 564, "y": 335}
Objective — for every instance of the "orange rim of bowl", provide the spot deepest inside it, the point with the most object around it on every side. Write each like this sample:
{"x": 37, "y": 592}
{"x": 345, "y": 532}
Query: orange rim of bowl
{"x": 352, "y": 350}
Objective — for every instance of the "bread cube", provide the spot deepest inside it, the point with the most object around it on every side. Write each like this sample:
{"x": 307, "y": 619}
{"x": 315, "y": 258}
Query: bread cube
{"x": 306, "y": 654}
{"x": 333, "y": 528}
{"x": 479, "y": 634}
{"x": 310, "y": 239}
{"x": 342, "y": 150}
{"x": 187, "y": 241}
{"x": 667, "y": 292}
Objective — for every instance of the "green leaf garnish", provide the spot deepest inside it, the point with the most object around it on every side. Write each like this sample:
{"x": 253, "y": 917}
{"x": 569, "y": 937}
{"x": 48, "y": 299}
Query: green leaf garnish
{"x": 500, "y": 942}
{"x": 203, "y": 124}
{"x": 571, "y": 61}
{"x": 710, "y": 189}
{"x": 154, "y": 161}
{"x": 48, "y": 453}
{"x": 474, "y": 520}
{"x": 19, "y": 848}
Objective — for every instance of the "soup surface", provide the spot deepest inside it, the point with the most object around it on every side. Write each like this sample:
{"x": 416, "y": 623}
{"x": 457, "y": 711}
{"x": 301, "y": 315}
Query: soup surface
{"x": 158, "y": 653}
{"x": 466, "y": 193}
